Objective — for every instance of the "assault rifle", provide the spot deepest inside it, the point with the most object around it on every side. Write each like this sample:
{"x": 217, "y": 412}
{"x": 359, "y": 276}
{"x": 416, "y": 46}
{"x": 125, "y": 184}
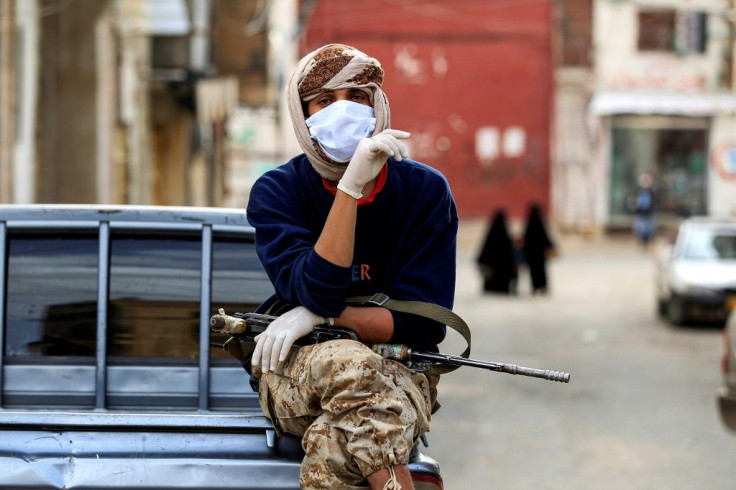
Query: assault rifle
{"x": 245, "y": 326}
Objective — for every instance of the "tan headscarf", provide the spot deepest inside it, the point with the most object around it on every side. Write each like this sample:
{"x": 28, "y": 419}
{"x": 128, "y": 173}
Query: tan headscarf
{"x": 332, "y": 67}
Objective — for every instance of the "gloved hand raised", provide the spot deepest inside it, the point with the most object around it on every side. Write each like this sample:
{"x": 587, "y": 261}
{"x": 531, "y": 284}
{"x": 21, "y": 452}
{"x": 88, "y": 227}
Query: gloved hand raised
{"x": 369, "y": 158}
{"x": 272, "y": 346}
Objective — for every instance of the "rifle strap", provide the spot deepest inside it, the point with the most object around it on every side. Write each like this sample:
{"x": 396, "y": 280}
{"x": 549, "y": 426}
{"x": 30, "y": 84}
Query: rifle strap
{"x": 427, "y": 310}
{"x": 242, "y": 350}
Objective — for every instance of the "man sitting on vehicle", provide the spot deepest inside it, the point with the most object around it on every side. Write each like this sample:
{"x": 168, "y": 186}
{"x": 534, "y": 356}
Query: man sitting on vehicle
{"x": 352, "y": 216}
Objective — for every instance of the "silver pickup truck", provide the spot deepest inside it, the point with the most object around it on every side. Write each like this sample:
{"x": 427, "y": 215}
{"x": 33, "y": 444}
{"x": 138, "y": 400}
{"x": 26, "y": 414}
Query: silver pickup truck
{"x": 109, "y": 374}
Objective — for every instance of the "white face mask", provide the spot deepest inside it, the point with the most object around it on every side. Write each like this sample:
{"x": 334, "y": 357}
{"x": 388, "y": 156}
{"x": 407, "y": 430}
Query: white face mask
{"x": 339, "y": 127}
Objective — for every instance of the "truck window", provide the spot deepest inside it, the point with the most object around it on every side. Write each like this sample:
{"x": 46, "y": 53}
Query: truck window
{"x": 239, "y": 283}
{"x": 51, "y": 298}
{"x": 155, "y": 292}
{"x": 153, "y": 310}
{"x": 152, "y": 345}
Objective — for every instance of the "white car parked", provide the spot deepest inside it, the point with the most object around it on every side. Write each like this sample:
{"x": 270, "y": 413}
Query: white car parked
{"x": 696, "y": 276}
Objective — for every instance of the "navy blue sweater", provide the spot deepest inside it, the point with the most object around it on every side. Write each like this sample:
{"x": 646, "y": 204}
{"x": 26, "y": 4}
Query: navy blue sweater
{"x": 405, "y": 243}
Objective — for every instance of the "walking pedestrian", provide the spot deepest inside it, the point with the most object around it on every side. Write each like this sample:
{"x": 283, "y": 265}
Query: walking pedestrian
{"x": 537, "y": 247}
{"x": 644, "y": 210}
{"x": 497, "y": 260}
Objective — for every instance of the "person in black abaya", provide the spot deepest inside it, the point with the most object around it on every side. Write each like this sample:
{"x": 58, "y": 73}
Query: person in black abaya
{"x": 537, "y": 247}
{"x": 496, "y": 261}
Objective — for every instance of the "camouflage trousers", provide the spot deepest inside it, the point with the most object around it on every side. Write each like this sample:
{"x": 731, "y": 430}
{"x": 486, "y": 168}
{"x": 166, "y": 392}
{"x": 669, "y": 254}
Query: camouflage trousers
{"x": 356, "y": 412}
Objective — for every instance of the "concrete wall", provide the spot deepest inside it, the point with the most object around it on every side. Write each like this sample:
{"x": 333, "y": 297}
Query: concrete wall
{"x": 573, "y": 169}
{"x": 722, "y": 163}
{"x": 620, "y": 65}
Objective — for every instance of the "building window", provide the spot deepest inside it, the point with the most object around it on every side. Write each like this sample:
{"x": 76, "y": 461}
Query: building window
{"x": 691, "y": 32}
{"x": 576, "y": 33}
{"x": 672, "y": 31}
{"x": 657, "y": 30}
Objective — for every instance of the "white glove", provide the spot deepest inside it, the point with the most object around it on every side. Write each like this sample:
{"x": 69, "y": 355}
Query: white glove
{"x": 369, "y": 158}
{"x": 272, "y": 346}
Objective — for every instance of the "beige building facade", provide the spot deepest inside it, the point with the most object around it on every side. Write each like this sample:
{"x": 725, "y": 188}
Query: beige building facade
{"x": 658, "y": 98}
{"x": 111, "y": 101}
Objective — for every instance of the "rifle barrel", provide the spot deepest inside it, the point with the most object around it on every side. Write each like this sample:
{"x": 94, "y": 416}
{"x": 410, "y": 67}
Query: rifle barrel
{"x": 493, "y": 366}
{"x": 251, "y": 324}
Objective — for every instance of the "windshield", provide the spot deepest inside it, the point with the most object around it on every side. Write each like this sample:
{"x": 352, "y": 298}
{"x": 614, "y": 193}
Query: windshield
{"x": 709, "y": 245}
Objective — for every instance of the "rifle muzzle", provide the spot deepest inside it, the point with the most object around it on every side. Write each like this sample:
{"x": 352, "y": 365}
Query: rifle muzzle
{"x": 224, "y": 323}
{"x": 217, "y": 323}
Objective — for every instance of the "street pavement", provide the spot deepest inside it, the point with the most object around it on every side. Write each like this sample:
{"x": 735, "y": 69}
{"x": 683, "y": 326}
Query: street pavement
{"x": 639, "y": 411}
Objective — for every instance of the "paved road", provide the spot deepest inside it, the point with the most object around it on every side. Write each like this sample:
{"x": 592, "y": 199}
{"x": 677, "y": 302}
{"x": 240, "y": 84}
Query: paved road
{"x": 639, "y": 412}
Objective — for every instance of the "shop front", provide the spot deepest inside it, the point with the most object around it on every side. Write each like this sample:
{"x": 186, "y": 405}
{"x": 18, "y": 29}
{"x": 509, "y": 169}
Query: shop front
{"x": 672, "y": 150}
{"x": 670, "y": 138}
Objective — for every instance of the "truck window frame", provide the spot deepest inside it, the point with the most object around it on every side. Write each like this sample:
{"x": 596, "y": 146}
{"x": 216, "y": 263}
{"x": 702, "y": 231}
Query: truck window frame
{"x": 218, "y": 383}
